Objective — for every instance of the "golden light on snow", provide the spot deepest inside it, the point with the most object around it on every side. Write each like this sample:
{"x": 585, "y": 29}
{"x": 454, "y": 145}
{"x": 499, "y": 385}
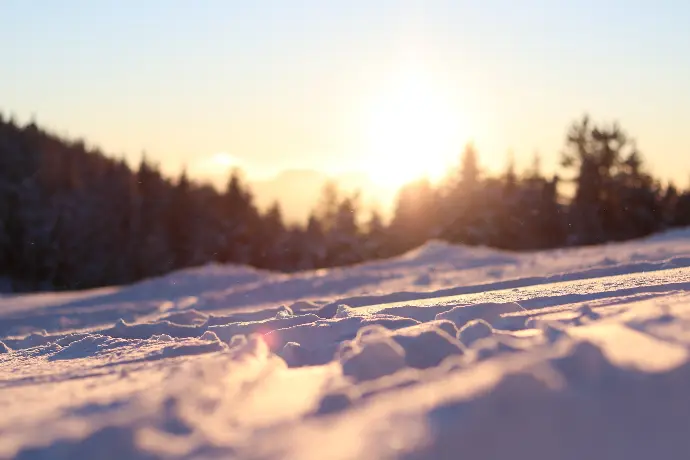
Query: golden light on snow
{"x": 411, "y": 130}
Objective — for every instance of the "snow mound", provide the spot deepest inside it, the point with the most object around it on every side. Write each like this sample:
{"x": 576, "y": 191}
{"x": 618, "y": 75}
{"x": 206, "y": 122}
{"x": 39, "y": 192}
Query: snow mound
{"x": 490, "y": 312}
{"x": 372, "y": 356}
{"x": 435, "y": 253}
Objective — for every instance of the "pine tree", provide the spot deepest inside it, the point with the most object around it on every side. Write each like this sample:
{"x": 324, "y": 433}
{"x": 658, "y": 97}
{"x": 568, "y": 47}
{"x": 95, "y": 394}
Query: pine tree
{"x": 668, "y": 205}
{"x": 609, "y": 182}
{"x": 469, "y": 172}
{"x": 415, "y": 219}
{"x": 271, "y": 240}
{"x": 327, "y": 206}
{"x": 343, "y": 238}
{"x": 181, "y": 224}
{"x": 376, "y": 240}
{"x": 239, "y": 222}
{"x": 315, "y": 243}
{"x": 509, "y": 219}
{"x": 682, "y": 210}
{"x": 154, "y": 255}
{"x": 464, "y": 201}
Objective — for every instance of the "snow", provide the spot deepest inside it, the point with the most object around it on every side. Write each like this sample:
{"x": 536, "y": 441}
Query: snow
{"x": 444, "y": 352}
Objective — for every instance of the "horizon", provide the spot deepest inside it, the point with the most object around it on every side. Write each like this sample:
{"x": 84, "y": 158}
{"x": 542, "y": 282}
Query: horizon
{"x": 342, "y": 89}
{"x": 270, "y": 189}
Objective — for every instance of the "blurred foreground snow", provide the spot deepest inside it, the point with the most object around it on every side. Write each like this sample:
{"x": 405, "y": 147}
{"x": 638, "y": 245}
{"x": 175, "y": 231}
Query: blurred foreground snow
{"x": 445, "y": 352}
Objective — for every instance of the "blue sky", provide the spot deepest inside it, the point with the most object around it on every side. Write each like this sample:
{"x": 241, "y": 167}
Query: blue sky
{"x": 280, "y": 84}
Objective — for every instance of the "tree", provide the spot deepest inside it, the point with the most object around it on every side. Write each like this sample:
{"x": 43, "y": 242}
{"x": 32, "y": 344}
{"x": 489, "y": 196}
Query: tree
{"x": 611, "y": 188}
{"x": 181, "y": 225}
{"x": 470, "y": 167}
{"x": 240, "y": 219}
{"x": 510, "y": 177}
{"x": 509, "y": 219}
{"x": 414, "y": 216}
{"x": 154, "y": 255}
{"x": 327, "y": 206}
{"x": 316, "y": 252}
{"x": 668, "y": 205}
{"x": 33, "y": 254}
{"x": 376, "y": 240}
{"x": 271, "y": 240}
{"x": 534, "y": 172}
{"x": 682, "y": 210}
{"x": 343, "y": 239}
{"x": 464, "y": 201}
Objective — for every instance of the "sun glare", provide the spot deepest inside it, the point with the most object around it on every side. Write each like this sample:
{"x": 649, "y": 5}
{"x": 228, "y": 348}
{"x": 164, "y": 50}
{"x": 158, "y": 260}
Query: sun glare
{"x": 219, "y": 163}
{"x": 222, "y": 160}
{"x": 412, "y": 131}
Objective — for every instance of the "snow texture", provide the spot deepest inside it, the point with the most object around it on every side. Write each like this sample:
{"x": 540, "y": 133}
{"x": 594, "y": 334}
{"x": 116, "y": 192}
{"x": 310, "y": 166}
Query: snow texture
{"x": 445, "y": 352}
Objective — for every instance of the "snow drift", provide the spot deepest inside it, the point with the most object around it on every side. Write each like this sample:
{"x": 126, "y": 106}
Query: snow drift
{"x": 444, "y": 352}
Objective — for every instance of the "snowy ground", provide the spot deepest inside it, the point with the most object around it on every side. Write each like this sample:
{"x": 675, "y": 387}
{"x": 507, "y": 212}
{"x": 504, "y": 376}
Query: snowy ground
{"x": 446, "y": 352}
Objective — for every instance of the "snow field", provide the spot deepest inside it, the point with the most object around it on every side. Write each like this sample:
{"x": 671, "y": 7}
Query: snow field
{"x": 445, "y": 352}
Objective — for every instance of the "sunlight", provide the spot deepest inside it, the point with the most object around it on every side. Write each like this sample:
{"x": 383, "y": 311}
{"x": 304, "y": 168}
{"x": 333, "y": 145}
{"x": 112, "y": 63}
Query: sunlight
{"x": 412, "y": 131}
{"x": 222, "y": 160}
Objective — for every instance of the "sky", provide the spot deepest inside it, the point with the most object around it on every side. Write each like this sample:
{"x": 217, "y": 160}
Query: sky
{"x": 390, "y": 88}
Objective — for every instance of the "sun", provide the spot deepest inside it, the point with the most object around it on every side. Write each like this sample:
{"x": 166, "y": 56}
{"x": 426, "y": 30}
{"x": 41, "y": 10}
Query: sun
{"x": 411, "y": 130}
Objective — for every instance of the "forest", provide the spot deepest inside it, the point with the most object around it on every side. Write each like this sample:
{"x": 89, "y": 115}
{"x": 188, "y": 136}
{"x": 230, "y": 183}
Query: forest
{"x": 72, "y": 217}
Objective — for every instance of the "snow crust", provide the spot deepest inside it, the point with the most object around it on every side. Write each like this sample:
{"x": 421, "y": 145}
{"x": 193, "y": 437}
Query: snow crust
{"x": 445, "y": 352}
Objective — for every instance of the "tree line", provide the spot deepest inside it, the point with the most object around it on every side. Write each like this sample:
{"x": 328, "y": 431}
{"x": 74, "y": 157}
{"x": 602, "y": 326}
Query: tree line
{"x": 74, "y": 218}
